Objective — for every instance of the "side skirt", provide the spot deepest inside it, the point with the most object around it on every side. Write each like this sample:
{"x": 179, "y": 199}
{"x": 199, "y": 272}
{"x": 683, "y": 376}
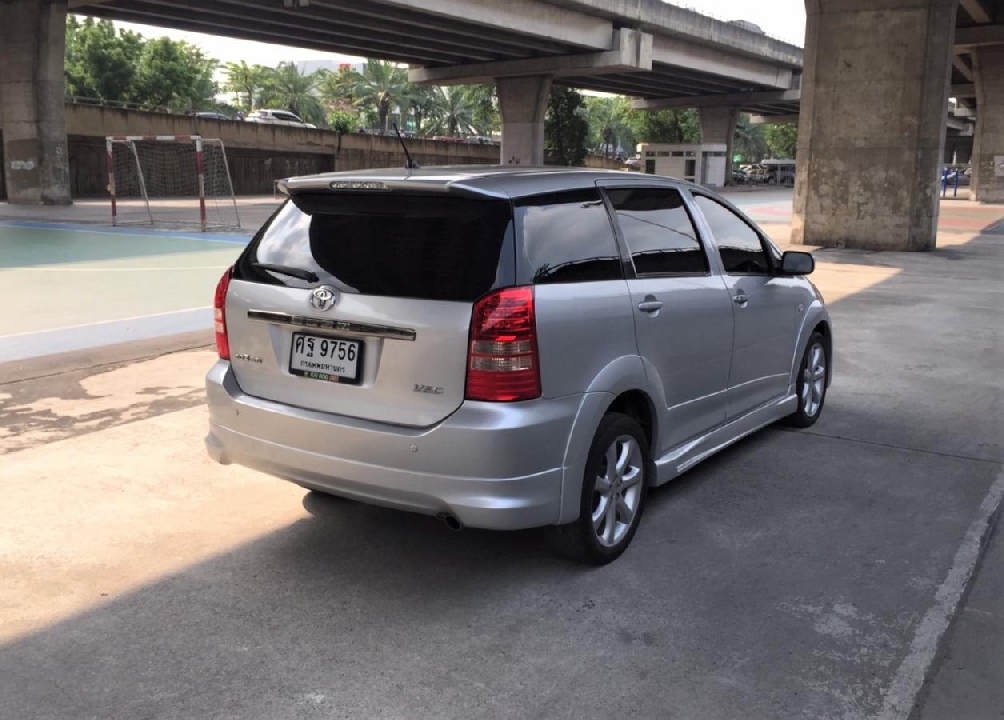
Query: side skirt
{"x": 682, "y": 458}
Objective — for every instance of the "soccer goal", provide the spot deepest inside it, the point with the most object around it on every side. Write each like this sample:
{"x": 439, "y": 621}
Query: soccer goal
{"x": 171, "y": 180}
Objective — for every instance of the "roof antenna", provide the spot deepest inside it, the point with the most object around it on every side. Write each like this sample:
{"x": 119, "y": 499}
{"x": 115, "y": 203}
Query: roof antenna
{"x": 411, "y": 164}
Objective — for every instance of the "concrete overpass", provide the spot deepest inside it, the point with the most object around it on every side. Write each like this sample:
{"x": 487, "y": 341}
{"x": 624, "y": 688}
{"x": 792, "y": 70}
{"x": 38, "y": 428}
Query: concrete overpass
{"x": 871, "y": 86}
{"x": 634, "y": 47}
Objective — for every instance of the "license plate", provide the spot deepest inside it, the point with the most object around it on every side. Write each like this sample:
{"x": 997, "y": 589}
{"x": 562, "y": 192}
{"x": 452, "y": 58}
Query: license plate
{"x": 325, "y": 358}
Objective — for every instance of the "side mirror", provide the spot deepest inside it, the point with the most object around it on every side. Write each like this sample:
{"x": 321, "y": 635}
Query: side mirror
{"x": 797, "y": 263}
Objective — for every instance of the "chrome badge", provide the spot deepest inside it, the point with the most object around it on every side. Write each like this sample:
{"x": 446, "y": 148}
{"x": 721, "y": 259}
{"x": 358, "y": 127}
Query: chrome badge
{"x": 323, "y": 298}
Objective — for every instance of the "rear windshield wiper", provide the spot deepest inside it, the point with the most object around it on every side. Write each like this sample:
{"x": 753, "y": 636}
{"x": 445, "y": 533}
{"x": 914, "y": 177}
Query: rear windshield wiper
{"x": 296, "y": 272}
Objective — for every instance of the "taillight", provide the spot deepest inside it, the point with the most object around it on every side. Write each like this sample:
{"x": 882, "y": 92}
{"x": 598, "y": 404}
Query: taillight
{"x": 220, "y": 316}
{"x": 502, "y": 364}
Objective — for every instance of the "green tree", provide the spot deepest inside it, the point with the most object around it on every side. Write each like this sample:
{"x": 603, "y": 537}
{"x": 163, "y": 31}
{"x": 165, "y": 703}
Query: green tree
{"x": 452, "y": 112}
{"x": 246, "y": 81}
{"x": 484, "y": 104}
{"x": 174, "y": 75}
{"x": 665, "y": 126}
{"x": 336, "y": 87}
{"x": 749, "y": 142}
{"x": 100, "y": 62}
{"x": 565, "y": 129}
{"x": 380, "y": 87}
{"x": 287, "y": 87}
{"x": 781, "y": 139}
{"x": 343, "y": 119}
{"x": 609, "y": 121}
{"x": 422, "y": 104}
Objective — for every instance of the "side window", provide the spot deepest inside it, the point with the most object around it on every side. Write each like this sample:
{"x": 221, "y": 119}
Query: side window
{"x": 658, "y": 231}
{"x": 739, "y": 245}
{"x": 567, "y": 238}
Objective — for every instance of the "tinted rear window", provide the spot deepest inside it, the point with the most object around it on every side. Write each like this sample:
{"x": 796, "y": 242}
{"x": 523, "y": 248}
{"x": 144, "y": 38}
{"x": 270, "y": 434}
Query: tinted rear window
{"x": 658, "y": 231}
{"x": 432, "y": 247}
{"x": 566, "y": 238}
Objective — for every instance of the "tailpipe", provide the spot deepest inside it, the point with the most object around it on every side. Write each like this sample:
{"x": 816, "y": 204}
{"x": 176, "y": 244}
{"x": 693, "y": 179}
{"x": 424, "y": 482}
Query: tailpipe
{"x": 451, "y": 521}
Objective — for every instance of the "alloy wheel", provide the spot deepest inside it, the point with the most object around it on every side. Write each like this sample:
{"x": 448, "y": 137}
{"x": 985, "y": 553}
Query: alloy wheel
{"x": 618, "y": 490}
{"x": 813, "y": 380}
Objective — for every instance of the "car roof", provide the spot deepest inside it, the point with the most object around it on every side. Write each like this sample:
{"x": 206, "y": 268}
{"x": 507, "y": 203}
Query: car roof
{"x": 512, "y": 181}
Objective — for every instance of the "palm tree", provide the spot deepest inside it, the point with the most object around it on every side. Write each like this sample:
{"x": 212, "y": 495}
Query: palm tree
{"x": 485, "y": 116}
{"x": 290, "y": 88}
{"x": 337, "y": 87}
{"x": 381, "y": 86}
{"x": 422, "y": 99}
{"x": 749, "y": 140}
{"x": 246, "y": 81}
{"x": 453, "y": 111}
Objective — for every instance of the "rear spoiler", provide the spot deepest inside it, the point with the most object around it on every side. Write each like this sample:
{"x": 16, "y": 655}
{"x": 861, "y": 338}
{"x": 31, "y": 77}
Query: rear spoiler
{"x": 348, "y": 185}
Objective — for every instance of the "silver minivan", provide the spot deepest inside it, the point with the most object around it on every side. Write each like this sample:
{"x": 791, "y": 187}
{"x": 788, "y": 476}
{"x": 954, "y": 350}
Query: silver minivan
{"x": 509, "y": 347}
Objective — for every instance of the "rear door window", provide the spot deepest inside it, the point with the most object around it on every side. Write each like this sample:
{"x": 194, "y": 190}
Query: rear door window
{"x": 432, "y": 247}
{"x": 566, "y": 237}
{"x": 658, "y": 231}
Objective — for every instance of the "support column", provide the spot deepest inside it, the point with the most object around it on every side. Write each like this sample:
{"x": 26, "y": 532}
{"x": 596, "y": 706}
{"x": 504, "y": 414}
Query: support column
{"x": 872, "y": 124}
{"x": 522, "y": 104}
{"x": 988, "y": 139}
{"x": 32, "y": 41}
{"x": 718, "y": 125}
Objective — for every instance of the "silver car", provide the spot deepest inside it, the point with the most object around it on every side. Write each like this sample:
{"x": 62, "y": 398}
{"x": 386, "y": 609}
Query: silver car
{"x": 509, "y": 347}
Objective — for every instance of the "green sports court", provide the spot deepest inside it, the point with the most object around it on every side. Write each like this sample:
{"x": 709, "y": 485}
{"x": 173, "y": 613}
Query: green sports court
{"x": 66, "y": 287}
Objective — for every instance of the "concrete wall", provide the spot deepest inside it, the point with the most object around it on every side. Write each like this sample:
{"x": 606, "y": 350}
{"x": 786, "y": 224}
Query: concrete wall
{"x": 257, "y": 154}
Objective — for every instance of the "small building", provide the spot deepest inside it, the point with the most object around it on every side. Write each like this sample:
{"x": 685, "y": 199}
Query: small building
{"x": 703, "y": 164}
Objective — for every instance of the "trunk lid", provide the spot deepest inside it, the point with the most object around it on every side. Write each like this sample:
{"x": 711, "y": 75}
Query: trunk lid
{"x": 395, "y": 278}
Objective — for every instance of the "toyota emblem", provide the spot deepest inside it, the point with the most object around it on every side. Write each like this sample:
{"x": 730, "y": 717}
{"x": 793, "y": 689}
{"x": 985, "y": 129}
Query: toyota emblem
{"x": 323, "y": 298}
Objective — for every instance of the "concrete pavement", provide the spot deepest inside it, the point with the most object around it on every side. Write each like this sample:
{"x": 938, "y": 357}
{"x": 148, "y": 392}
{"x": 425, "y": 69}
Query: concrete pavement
{"x": 796, "y": 574}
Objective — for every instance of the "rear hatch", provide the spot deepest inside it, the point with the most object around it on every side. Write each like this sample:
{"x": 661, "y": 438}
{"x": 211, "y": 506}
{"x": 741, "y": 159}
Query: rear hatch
{"x": 377, "y": 326}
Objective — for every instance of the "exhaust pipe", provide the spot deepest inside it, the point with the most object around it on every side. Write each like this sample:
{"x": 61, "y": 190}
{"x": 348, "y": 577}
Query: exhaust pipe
{"x": 451, "y": 521}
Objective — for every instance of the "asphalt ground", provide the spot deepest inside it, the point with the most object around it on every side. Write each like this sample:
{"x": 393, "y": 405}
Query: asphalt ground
{"x": 799, "y": 573}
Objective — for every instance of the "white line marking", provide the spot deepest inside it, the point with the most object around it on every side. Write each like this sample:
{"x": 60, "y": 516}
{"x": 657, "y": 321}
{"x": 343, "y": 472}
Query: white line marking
{"x": 124, "y": 232}
{"x": 99, "y": 323}
{"x": 912, "y": 673}
{"x": 91, "y": 335}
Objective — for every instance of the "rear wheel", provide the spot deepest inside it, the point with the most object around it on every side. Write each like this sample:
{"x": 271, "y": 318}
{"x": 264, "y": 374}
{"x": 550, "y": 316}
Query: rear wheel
{"x": 613, "y": 489}
{"x": 810, "y": 384}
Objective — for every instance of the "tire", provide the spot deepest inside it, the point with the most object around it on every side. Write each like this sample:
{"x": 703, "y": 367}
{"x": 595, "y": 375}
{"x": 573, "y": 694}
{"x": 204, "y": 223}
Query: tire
{"x": 605, "y": 541}
{"x": 810, "y": 383}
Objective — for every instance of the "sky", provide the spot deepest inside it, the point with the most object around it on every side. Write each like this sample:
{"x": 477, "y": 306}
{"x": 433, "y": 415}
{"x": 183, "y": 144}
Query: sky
{"x": 784, "y": 19}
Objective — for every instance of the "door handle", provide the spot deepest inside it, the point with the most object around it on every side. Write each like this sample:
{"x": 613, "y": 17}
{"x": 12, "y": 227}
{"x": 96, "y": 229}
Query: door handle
{"x": 740, "y": 298}
{"x": 650, "y": 306}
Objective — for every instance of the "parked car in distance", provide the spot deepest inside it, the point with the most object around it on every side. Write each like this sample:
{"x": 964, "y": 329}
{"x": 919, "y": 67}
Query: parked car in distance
{"x": 508, "y": 348}
{"x": 277, "y": 117}
{"x": 209, "y": 115}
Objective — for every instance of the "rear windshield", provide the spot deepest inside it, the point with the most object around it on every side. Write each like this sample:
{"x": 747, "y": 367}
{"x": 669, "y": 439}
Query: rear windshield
{"x": 433, "y": 247}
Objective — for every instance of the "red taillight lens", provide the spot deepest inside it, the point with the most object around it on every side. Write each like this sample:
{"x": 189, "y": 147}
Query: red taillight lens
{"x": 502, "y": 364}
{"x": 220, "y": 316}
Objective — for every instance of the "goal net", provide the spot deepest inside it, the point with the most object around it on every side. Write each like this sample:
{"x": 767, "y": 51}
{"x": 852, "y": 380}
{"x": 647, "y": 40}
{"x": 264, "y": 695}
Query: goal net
{"x": 171, "y": 180}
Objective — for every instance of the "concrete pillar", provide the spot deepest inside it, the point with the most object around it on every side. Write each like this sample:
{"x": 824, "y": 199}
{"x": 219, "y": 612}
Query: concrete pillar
{"x": 873, "y": 122}
{"x": 32, "y": 41}
{"x": 522, "y": 105}
{"x": 718, "y": 125}
{"x": 988, "y": 139}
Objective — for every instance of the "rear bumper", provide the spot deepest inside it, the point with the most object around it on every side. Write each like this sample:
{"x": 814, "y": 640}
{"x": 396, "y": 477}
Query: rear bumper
{"x": 497, "y": 466}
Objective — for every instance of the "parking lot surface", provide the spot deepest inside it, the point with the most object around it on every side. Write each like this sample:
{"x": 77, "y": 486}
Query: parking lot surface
{"x": 799, "y": 573}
